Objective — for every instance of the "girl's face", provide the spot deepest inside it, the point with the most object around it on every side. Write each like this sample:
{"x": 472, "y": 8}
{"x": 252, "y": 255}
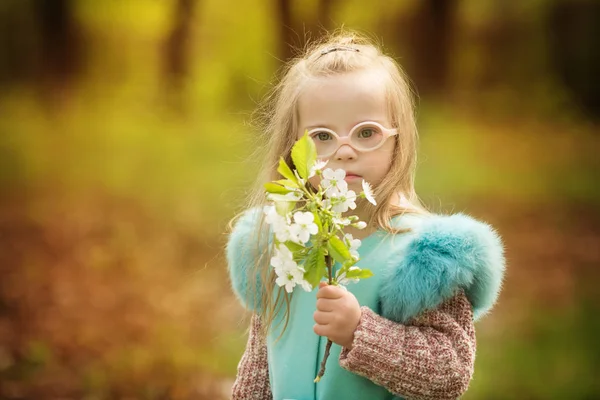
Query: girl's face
{"x": 340, "y": 102}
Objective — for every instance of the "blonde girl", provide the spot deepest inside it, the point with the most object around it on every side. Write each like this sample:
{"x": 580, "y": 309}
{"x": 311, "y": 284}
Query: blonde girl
{"x": 407, "y": 332}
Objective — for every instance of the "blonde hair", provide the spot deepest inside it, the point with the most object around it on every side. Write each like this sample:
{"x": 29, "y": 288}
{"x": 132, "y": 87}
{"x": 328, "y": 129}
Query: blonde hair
{"x": 279, "y": 120}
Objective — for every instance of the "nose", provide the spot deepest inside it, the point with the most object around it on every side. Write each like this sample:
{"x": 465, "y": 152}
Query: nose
{"x": 345, "y": 152}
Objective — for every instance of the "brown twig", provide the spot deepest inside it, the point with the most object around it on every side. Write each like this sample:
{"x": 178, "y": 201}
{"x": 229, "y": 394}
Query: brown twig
{"x": 324, "y": 361}
{"x": 329, "y": 342}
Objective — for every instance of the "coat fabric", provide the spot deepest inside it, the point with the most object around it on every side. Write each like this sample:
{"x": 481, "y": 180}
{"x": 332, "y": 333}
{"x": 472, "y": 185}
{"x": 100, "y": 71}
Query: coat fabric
{"x": 413, "y": 272}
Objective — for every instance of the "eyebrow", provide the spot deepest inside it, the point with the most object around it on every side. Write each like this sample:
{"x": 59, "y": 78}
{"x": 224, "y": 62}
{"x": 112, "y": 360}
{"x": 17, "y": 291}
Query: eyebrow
{"x": 319, "y": 126}
{"x": 329, "y": 127}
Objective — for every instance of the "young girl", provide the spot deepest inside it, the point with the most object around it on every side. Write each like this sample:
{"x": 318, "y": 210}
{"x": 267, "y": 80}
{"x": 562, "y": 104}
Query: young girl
{"x": 407, "y": 332}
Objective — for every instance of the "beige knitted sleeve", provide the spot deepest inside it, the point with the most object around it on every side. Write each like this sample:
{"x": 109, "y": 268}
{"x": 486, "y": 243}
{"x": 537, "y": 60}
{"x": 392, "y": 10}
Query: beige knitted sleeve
{"x": 252, "y": 380}
{"x": 431, "y": 357}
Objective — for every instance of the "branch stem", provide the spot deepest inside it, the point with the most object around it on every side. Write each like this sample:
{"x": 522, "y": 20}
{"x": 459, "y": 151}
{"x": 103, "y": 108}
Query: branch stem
{"x": 328, "y": 263}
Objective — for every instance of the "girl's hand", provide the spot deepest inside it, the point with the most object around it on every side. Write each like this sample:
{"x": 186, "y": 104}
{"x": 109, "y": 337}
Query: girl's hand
{"x": 337, "y": 315}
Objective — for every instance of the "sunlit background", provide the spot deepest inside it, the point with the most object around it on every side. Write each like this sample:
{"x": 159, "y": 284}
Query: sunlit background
{"x": 125, "y": 141}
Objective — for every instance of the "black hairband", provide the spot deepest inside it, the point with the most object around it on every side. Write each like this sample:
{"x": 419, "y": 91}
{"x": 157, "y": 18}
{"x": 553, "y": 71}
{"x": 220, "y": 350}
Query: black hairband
{"x": 339, "y": 48}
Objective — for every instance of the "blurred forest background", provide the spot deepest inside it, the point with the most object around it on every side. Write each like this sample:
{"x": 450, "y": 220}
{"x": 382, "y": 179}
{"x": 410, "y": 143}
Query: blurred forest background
{"x": 124, "y": 152}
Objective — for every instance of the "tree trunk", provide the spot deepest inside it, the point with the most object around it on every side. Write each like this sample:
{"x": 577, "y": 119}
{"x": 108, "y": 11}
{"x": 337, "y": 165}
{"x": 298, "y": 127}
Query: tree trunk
{"x": 177, "y": 53}
{"x": 430, "y": 41}
{"x": 60, "y": 46}
{"x": 286, "y": 30}
{"x": 573, "y": 29}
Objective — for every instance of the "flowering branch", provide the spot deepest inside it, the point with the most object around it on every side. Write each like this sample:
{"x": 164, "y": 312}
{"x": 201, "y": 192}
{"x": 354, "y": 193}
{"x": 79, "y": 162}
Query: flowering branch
{"x": 308, "y": 225}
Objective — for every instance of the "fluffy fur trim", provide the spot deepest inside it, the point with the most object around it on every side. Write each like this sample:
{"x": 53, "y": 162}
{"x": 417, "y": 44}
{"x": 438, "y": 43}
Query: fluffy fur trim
{"x": 242, "y": 250}
{"x": 446, "y": 253}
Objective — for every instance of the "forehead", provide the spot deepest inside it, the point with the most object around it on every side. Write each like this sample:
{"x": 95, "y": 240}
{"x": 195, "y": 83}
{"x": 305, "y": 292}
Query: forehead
{"x": 339, "y": 101}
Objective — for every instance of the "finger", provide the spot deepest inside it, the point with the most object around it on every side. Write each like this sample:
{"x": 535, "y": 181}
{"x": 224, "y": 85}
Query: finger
{"x": 330, "y": 292}
{"x": 322, "y": 284}
{"x": 320, "y": 330}
{"x": 321, "y": 317}
{"x": 325, "y": 304}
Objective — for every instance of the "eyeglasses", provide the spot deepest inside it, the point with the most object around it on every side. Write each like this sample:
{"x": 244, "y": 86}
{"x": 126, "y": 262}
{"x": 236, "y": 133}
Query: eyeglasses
{"x": 365, "y": 136}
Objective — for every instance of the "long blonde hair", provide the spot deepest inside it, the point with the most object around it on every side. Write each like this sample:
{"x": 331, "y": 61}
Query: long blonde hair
{"x": 278, "y": 118}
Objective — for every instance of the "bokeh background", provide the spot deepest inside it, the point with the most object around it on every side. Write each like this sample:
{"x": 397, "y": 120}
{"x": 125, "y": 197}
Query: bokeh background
{"x": 125, "y": 149}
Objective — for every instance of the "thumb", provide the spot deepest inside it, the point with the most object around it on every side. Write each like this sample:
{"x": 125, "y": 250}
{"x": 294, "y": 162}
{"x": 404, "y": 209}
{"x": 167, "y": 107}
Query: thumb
{"x": 322, "y": 284}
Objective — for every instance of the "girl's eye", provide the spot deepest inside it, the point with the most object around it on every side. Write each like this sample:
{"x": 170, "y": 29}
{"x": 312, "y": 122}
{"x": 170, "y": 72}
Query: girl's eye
{"x": 366, "y": 133}
{"x": 322, "y": 136}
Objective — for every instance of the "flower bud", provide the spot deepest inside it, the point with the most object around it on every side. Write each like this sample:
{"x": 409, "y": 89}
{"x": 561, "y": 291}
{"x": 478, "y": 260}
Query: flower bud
{"x": 360, "y": 225}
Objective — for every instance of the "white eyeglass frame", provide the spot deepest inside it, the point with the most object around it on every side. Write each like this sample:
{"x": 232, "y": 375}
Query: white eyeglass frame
{"x": 342, "y": 140}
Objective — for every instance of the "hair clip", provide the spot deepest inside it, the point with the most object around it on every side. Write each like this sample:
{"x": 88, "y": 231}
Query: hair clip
{"x": 339, "y": 48}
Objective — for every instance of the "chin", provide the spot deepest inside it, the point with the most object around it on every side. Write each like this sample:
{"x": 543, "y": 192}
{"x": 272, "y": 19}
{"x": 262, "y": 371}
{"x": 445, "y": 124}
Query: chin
{"x": 354, "y": 184}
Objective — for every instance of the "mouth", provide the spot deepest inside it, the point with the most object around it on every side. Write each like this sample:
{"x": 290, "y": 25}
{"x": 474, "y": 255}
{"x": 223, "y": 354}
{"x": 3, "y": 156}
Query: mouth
{"x": 351, "y": 176}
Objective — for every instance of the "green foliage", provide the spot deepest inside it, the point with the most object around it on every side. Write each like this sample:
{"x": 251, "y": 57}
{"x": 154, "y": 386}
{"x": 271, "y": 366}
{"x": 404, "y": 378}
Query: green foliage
{"x": 284, "y": 207}
{"x": 315, "y": 266}
{"x": 286, "y": 172}
{"x": 304, "y": 155}
{"x": 287, "y": 182}
{"x": 324, "y": 242}
{"x": 338, "y": 250}
{"x": 360, "y": 274}
{"x": 275, "y": 188}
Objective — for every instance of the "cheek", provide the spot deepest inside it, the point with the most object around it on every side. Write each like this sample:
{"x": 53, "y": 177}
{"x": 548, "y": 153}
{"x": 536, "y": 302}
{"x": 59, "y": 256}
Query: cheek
{"x": 380, "y": 165}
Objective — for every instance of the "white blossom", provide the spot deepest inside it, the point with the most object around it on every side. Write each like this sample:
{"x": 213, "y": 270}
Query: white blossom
{"x": 303, "y": 227}
{"x": 272, "y": 217}
{"x": 306, "y": 286}
{"x": 333, "y": 182}
{"x": 317, "y": 168}
{"x": 283, "y": 233}
{"x": 342, "y": 221}
{"x": 289, "y": 279}
{"x": 354, "y": 244}
{"x": 368, "y": 191}
{"x": 279, "y": 223}
{"x": 288, "y": 272}
{"x": 283, "y": 260}
{"x": 344, "y": 201}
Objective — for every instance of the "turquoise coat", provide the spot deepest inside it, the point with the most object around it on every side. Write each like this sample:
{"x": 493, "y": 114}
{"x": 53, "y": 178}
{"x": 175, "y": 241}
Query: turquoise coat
{"x": 413, "y": 272}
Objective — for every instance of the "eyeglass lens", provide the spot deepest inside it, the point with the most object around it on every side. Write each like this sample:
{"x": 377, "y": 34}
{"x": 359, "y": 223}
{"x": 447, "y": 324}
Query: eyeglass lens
{"x": 364, "y": 138}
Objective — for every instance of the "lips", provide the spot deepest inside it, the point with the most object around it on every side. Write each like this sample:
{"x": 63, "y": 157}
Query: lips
{"x": 352, "y": 174}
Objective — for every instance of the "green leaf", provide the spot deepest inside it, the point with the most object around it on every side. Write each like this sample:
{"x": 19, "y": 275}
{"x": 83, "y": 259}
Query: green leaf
{"x": 284, "y": 207}
{"x": 304, "y": 155}
{"x": 318, "y": 221}
{"x": 293, "y": 246}
{"x": 275, "y": 188}
{"x": 285, "y": 171}
{"x": 280, "y": 197}
{"x": 300, "y": 256}
{"x": 287, "y": 182}
{"x": 315, "y": 266}
{"x": 359, "y": 273}
{"x": 338, "y": 249}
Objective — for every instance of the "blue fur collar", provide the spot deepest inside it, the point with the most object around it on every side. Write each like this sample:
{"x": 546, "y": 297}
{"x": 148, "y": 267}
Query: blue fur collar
{"x": 444, "y": 253}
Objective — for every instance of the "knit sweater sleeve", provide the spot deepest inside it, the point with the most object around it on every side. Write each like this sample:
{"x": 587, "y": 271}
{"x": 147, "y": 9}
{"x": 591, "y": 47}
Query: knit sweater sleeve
{"x": 252, "y": 380}
{"x": 431, "y": 357}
